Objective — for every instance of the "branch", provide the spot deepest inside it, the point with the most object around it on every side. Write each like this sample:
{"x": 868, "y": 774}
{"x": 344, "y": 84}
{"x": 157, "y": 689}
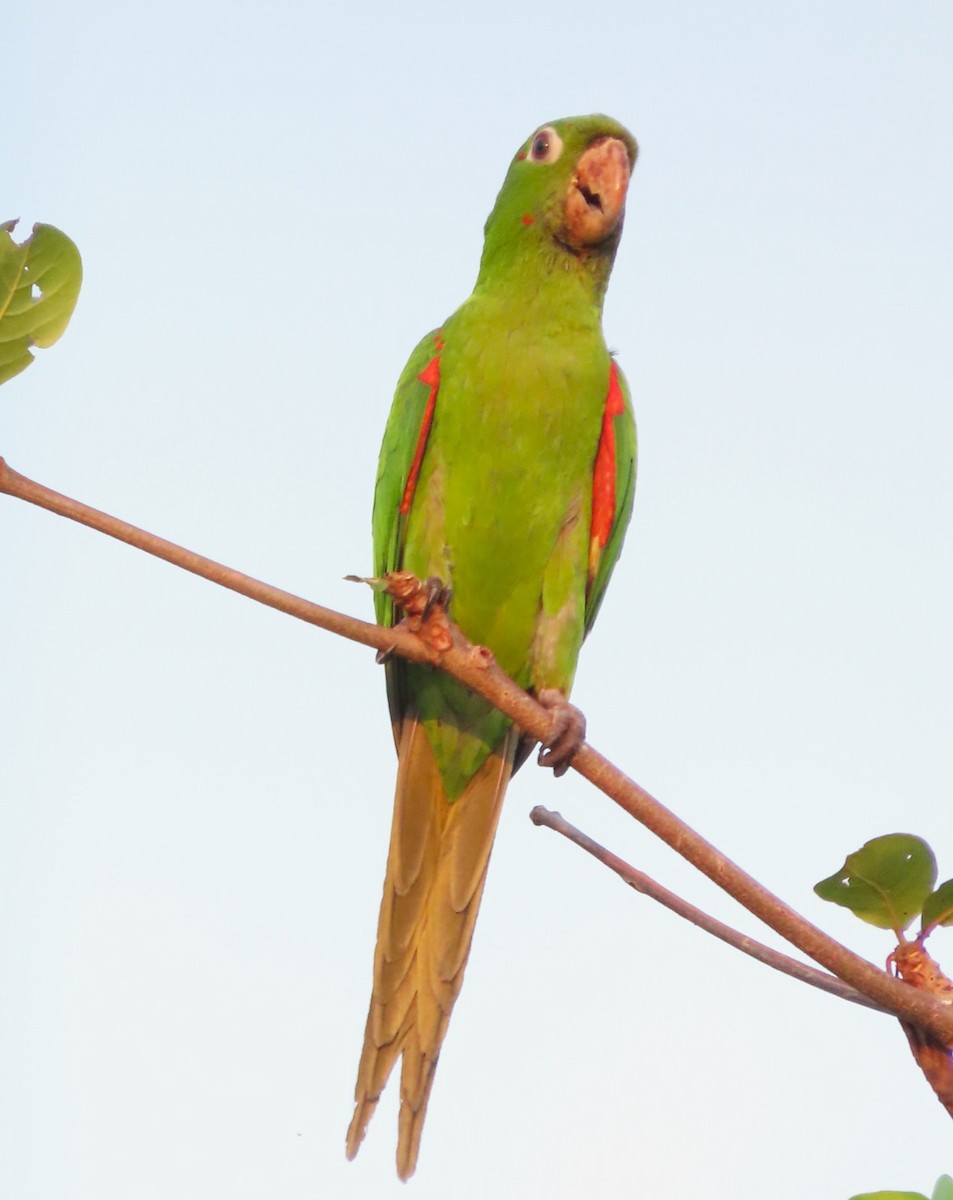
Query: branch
{"x": 474, "y": 667}
{"x": 655, "y": 891}
{"x": 406, "y": 644}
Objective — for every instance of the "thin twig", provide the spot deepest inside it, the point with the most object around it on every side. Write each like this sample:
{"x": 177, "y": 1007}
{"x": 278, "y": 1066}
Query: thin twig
{"x": 474, "y": 667}
{"x": 400, "y": 640}
{"x": 655, "y": 891}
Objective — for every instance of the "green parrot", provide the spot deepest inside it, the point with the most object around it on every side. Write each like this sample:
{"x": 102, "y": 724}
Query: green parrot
{"x": 507, "y": 471}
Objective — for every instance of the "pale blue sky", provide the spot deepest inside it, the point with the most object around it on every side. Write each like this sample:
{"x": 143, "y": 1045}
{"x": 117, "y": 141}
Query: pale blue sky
{"x": 273, "y": 202}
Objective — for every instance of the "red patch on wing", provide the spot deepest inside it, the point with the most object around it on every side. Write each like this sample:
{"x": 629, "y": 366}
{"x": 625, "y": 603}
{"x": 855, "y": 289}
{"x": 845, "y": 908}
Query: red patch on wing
{"x": 528, "y": 219}
{"x": 430, "y": 375}
{"x": 603, "y": 479}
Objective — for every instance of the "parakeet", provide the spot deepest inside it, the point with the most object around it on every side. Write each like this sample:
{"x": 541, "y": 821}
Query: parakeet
{"x": 507, "y": 470}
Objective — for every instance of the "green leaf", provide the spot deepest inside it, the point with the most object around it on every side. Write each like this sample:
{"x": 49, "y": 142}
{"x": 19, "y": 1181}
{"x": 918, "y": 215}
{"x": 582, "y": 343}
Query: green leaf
{"x": 885, "y": 882}
{"x": 938, "y": 910}
{"x": 891, "y": 1196}
{"x": 943, "y": 1189}
{"x": 39, "y": 284}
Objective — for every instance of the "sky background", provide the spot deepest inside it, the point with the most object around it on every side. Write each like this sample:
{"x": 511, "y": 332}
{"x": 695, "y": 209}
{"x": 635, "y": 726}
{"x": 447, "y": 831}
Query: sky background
{"x": 273, "y": 203}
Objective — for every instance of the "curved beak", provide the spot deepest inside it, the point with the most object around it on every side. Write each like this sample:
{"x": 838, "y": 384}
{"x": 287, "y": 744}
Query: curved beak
{"x": 595, "y": 199}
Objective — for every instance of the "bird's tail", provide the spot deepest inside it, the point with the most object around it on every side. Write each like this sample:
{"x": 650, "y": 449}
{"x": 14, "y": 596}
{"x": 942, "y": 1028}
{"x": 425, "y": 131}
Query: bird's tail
{"x": 436, "y": 868}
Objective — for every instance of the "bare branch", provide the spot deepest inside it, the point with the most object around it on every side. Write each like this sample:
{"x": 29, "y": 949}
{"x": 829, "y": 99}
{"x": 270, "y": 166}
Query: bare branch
{"x": 405, "y": 643}
{"x": 655, "y": 891}
{"x": 473, "y": 666}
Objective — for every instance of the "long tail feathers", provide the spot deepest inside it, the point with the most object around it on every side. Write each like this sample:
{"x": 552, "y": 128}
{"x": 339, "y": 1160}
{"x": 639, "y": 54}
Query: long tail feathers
{"x": 436, "y": 868}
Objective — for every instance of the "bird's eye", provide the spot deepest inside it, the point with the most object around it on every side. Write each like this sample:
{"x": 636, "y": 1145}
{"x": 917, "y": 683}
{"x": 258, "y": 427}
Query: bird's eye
{"x": 546, "y": 146}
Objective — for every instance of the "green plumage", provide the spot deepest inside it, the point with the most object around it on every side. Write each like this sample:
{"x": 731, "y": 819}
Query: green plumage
{"x": 507, "y": 470}
{"x": 502, "y": 507}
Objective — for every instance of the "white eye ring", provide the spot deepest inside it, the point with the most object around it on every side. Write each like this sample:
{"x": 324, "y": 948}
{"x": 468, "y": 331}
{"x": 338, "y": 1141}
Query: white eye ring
{"x": 546, "y": 145}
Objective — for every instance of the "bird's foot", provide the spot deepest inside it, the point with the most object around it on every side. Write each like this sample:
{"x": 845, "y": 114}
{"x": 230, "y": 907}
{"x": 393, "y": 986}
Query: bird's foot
{"x": 425, "y": 606}
{"x": 567, "y": 731}
{"x": 417, "y": 599}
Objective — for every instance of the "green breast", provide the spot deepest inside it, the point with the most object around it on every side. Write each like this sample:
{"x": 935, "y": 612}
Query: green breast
{"x": 502, "y": 507}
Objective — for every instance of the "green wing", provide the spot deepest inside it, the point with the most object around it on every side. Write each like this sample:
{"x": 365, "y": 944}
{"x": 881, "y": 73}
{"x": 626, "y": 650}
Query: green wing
{"x": 399, "y": 449}
{"x": 626, "y": 452}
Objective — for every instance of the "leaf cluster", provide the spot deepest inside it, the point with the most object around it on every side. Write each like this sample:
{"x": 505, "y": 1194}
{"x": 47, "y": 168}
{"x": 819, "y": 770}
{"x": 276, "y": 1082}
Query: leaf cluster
{"x": 889, "y": 882}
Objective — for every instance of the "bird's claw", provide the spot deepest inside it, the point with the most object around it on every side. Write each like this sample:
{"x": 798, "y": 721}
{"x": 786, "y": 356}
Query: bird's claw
{"x": 424, "y": 606}
{"x": 567, "y": 732}
{"x": 436, "y": 595}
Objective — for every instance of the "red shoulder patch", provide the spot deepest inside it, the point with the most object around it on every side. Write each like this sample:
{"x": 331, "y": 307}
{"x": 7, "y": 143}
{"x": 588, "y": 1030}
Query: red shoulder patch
{"x": 430, "y": 376}
{"x": 603, "y": 477}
